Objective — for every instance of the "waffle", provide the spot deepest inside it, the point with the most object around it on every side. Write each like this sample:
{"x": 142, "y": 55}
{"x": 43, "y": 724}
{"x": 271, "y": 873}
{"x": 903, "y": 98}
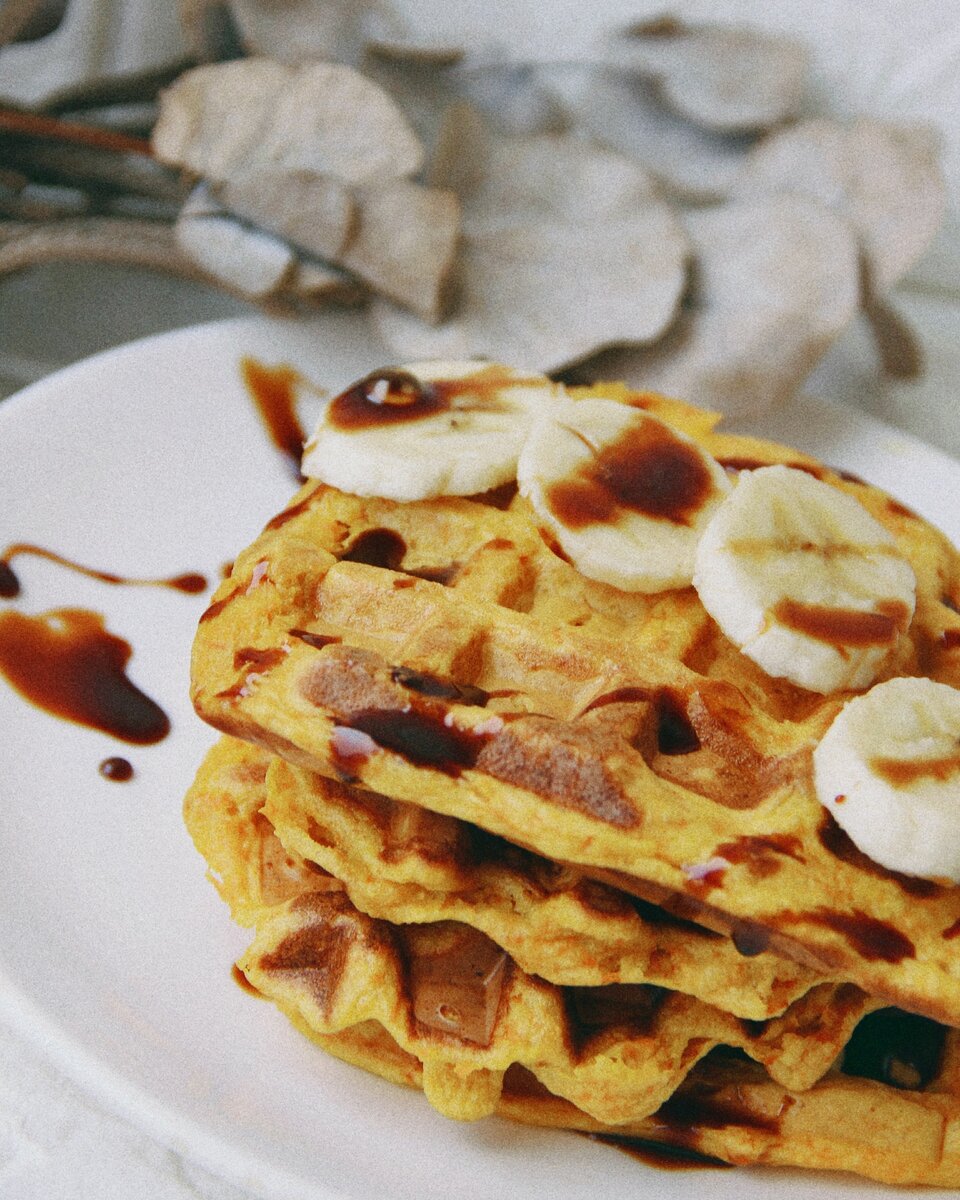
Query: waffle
{"x": 544, "y": 848}
{"x": 293, "y": 904}
{"x": 728, "y": 1111}
{"x": 441, "y": 653}
{"x": 406, "y": 865}
{"x": 326, "y": 966}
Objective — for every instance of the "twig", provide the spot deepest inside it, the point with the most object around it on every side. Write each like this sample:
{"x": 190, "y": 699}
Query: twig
{"x": 38, "y": 125}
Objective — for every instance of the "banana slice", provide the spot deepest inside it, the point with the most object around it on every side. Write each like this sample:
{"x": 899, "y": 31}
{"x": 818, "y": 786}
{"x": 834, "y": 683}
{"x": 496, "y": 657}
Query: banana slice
{"x": 888, "y": 769}
{"x": 803, "y": 579}
{"x": 625, "y": 495}
{"x": 428, "y": 429}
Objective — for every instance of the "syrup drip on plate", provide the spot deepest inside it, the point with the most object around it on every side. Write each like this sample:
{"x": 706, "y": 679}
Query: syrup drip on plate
{"x": 190, "y": 582}
{"x": 67, "y": 663}
{"x": 274, "y": 392}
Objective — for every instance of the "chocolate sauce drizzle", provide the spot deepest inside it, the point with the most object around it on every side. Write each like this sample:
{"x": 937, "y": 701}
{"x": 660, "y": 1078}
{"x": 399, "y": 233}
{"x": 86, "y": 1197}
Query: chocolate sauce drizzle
{"x": 421, "y": 736}
{"x": 393, "y": 397}
{"x": 190, "y": 582}
{"x": 274, "y": 392}
{"x": 648, "y": 470}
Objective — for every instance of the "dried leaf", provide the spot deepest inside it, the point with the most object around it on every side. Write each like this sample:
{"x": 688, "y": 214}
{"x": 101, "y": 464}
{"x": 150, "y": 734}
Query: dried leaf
{"x": 315, "y": 282}
{"x": 304, "y": 30}
{"x": 93, "y": 239}
{"x": 404, "y": 243}
{"x": 315, "y": 212}
{"x": 320, "y": 117}
{"x": 211, "y": 31}
{"x": 566, "y": 248}
{"x": 513, "y": 96}
{"x": 725, "y": 78}
{"x": 775, "y": 281}
{"x": 28, "y": 20}
{"x": 409, "y": 50}
{"x": 885, "y": 179}
{"x": 623, "y": 112}
{"x": 253, "y": 263}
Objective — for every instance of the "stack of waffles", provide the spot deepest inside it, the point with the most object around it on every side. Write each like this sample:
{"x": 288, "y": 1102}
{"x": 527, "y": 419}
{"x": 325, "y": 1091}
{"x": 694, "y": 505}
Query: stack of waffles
{"x": 550, "y": 849}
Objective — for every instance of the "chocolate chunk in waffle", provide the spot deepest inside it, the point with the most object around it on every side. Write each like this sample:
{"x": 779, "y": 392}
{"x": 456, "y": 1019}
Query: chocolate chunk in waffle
{"x": 440, "y": 653}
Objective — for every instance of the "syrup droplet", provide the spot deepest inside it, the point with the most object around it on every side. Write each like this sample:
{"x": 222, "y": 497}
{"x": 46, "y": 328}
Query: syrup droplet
{"x": 116, "y": 769}
{"x": 9, "y": 583}
{"x": 386, "y": 397}
{"x": 393, "y": 397}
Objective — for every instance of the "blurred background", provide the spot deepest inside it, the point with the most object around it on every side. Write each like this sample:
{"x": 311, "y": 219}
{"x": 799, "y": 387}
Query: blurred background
{"x": 102, "y": 62}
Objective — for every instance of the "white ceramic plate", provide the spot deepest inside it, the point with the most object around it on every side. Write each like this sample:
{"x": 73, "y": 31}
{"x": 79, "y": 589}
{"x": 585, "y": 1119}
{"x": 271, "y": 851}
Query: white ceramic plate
{"x": 114, "y": 950}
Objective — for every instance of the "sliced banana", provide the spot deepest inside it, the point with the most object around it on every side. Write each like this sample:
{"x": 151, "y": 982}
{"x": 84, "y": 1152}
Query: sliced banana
{"x": 803, "y": 579}
{"x": 428, "y": 429}
{"x": 625, "y": 495}
{"x": 888, "y": 769}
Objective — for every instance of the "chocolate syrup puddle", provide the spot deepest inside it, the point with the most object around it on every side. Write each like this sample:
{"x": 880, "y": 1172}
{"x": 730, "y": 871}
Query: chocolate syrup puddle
{"x": 385, "y": 548}
{"x": 421, "y": 736}
{"x": 382, "y": 548}
{"x": 67, "y": 663}
{"x": 190, "y": 582}
{"x": 274, "y": 392}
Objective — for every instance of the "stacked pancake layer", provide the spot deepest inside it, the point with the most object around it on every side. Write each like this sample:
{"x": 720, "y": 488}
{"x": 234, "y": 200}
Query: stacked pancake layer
{"x": 547, "y": 848}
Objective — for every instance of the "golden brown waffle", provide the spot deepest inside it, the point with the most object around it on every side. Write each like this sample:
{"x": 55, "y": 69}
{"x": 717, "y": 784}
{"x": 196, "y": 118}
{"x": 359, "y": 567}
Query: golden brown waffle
{"x": 245, "y": 860}
{"x": 255, "y": 875}
{"x": 441, "y": 654}
{"x": 728, "y": 1110}
{"x": 325, "y": 964}
{"x": 406, "y": 864}
{"x": 451, "y": 997}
